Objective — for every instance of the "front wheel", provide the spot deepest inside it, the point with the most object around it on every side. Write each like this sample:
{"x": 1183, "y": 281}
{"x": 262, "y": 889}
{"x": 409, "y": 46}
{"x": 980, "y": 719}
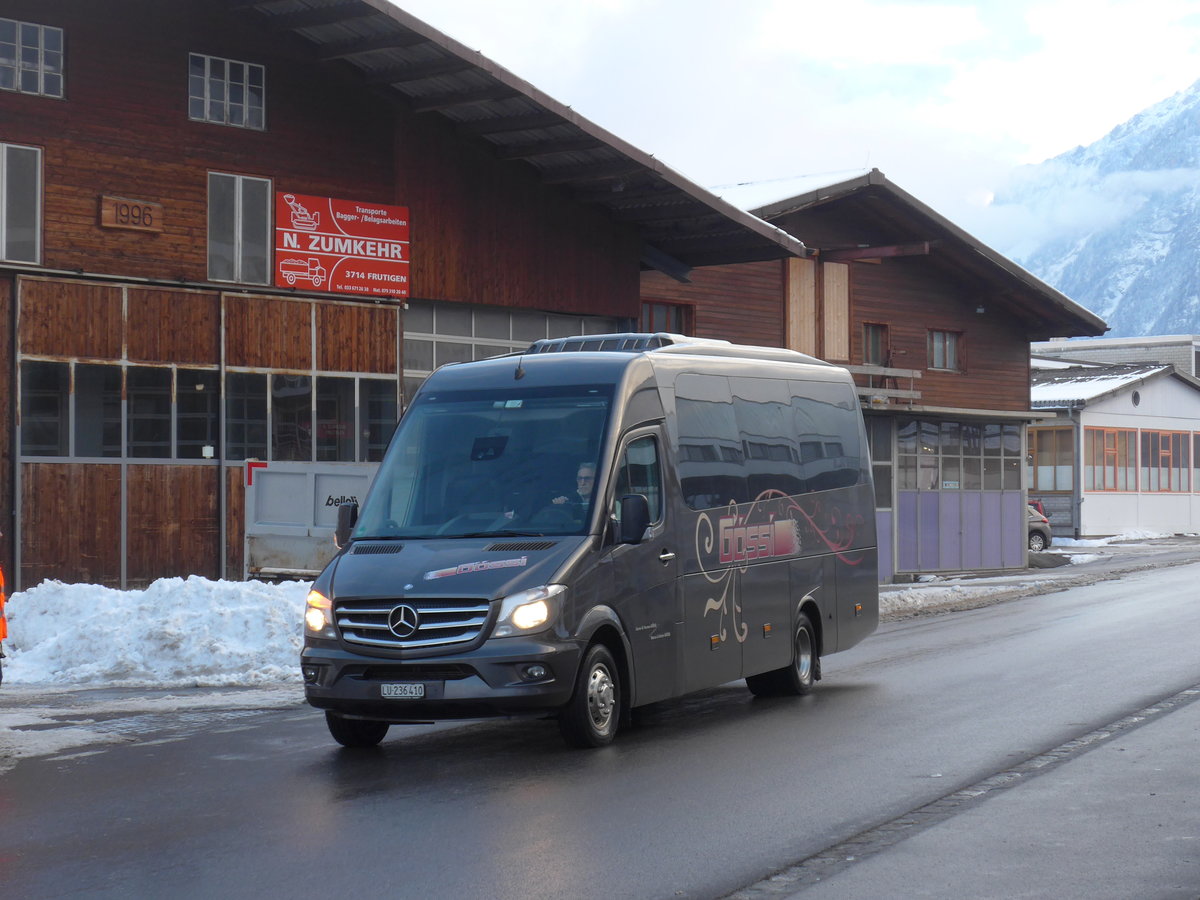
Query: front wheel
{"x": 591, "y": 716}
{"x": 799, "y": 677}
{"x": 355, "y": 732}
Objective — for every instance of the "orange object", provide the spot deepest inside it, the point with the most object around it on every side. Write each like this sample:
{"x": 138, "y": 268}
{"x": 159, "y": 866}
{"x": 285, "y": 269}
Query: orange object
{"x": 3, "y": 597}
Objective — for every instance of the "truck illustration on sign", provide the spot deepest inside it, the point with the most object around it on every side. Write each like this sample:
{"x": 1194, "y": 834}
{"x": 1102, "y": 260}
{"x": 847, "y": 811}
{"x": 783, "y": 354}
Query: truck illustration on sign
{"x": 309, "y": 269}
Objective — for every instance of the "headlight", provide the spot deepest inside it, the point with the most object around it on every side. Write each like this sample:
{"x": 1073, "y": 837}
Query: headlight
{"x": 529, "y": 611}
{"x": 318, "y": 615}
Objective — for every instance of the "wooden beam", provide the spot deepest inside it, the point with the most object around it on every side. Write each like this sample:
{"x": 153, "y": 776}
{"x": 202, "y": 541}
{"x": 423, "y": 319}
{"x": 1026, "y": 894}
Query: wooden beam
{"x": 400, "y": 74}
{"x": 920, "y": 249}
{"x": 438, "y": 102}
{"x": 358, "y": 46}
{"x": 545, "y": 148}
{"x": 510, "y": 123}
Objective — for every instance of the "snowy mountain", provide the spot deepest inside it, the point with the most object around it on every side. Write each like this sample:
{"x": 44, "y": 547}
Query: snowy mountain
{"x": 1116, "y": 225}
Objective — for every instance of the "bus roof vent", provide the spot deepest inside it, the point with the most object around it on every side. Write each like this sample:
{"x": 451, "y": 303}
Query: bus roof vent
{"x": 629, "y": 342}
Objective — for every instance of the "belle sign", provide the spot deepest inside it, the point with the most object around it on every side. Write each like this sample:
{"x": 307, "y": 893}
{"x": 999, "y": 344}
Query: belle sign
{"x": 341, "y": 245}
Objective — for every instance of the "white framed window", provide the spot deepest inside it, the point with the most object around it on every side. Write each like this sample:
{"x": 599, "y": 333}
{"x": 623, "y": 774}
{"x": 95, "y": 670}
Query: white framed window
{"x": 239, "y": 228}
{"x": 31, "y": 58}
{"x": 226, "y": 92}
{"x": 20, "y": 203}
{"x": 945, "y": 350}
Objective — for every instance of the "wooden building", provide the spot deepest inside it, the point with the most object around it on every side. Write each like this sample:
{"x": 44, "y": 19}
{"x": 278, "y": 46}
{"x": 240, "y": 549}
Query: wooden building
{"x": 936, "y": 327}
{"x": 235, "y": 232}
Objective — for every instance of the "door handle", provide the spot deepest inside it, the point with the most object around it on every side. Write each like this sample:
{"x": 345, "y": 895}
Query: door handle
{"x": 666, "y": 556}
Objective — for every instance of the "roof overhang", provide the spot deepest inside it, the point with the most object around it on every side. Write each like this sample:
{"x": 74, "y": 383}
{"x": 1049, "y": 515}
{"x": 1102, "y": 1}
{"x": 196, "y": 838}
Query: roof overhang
{"x": 920, "y": 230}
{"x": 391, "y": 52}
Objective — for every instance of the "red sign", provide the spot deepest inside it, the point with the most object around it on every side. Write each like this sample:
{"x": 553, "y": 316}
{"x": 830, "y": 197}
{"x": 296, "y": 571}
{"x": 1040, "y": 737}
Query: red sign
{"x": 341, "y": 245}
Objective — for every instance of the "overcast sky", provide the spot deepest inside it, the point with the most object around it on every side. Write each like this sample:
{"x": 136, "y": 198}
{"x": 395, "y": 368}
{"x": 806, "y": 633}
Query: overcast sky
{"x": 945, "y": 98}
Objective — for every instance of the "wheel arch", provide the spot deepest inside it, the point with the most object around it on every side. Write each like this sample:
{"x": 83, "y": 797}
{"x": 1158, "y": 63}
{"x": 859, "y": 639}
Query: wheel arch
{"x": 601, "y": 626}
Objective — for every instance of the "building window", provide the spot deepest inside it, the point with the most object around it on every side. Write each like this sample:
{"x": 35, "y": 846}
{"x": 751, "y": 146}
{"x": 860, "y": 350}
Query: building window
{"x": 1052, "y": 466}
{"x": 31, "y": 58}
{"x": 239, "y": 223}
{"x": 945, "y": 350}
{"x": 20, "y": 203}
{"x": 949, "y": 456}
{"x": 673, "y": 318}
{"x": 879, "y": 439}
{"x": 1196, "y": 462}
{"x": 354, "y": 416}
{"x": 86, "y": 421}
{"x": 875, "y": 345}
{"x": 1109, "y": 459}
{"x": 45, "y": 415}
{"x": 226, "y": 92}
{"x": 1165, "y": 460}
{"x": 438, "y": 333}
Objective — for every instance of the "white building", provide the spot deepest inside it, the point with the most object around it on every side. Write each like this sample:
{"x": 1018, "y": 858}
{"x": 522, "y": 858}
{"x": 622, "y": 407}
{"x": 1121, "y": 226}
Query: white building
{"x": 1120, "y": 449}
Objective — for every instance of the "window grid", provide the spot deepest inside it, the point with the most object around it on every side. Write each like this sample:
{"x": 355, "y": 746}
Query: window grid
{"x": 1164, "y": 456}
{"x": 1110, "y": 459}
{"x": 1051, "y": 455}
{"x": 438, "y": 333}
{"x": 942, "y": 455}
{"x": 31, "y": 58}
{"x": 226, "y": 92}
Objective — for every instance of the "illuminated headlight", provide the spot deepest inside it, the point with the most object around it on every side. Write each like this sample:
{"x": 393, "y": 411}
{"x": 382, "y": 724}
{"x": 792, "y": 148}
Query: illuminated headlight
{"x": 318, "y": 615}
{"x": 529, "y": 611}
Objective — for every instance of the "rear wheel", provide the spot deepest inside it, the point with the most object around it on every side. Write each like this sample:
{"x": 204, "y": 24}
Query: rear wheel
{"x": 591, "y": 716}
{"x": 800, "y": 676}
{"x": 355, "y": 732}
{"x": 1037, "y": 543}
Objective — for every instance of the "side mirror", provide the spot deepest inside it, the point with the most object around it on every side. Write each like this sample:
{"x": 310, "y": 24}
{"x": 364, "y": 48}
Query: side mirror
{"x": 634, "y": 518}
{"x": 347, "y": 518}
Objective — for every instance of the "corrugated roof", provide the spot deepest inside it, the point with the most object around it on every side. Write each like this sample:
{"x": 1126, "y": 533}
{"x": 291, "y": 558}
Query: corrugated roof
{"x": 390, "y": 51}
{"x": 1080, "y": 385}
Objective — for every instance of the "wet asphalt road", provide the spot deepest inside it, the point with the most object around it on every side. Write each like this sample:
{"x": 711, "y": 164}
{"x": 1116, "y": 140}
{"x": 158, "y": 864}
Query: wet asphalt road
{"x": 703, "y": 798}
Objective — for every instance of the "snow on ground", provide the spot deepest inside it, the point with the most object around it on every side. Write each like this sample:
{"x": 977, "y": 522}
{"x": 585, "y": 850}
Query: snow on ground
{"x": 178, "y": 632}
{"x": 193, "y": 632}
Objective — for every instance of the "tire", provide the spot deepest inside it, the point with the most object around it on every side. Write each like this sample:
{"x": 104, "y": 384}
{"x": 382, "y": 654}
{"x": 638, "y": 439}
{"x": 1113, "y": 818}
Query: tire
{"x": 797, "y": 678}
{"x": 591, "y": 716}
{"x": 355, "y": 732}
{"x": 1037, "y": 543}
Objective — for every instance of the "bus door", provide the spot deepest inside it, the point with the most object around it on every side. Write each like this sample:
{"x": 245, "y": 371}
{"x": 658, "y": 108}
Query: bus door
{"x": 645, "y": 574}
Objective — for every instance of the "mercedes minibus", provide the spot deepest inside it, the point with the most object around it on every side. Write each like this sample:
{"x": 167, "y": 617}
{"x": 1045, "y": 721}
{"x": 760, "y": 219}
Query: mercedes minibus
{"x": 596, "y": 524}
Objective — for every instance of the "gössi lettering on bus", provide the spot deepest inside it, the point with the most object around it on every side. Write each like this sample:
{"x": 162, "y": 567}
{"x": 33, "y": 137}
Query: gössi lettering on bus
{"x": 740, "y": 540}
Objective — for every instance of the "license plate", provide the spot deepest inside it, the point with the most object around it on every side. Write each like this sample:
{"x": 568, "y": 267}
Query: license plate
{"x": 408, "y": 691}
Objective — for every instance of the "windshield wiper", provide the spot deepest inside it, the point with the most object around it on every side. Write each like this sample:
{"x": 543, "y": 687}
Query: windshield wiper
{"x": 386, "y": 537}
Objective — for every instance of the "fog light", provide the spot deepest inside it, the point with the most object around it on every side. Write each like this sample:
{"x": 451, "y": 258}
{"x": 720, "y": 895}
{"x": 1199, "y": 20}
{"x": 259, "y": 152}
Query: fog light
{"x": 312, "y": 674}
{"x": 535, "y": 672}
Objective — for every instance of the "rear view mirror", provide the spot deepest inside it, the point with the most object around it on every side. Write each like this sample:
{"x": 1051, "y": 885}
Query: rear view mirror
{"x": 633, "y": 518}
{"x": 347, "y": 518}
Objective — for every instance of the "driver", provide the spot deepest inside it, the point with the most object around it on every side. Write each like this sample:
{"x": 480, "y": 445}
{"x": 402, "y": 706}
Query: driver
{"x": 577, "y": 503}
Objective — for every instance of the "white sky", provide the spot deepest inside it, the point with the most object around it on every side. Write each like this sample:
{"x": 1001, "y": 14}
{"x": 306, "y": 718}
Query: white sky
{"x": 945, "y": 98}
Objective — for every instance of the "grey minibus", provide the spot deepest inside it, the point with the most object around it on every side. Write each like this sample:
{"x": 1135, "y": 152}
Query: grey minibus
{"x": 593, "y": 525}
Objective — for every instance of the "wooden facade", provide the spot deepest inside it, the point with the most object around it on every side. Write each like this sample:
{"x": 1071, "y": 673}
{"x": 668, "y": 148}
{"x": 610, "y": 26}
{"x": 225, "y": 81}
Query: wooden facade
{"x": 485, "y": 230}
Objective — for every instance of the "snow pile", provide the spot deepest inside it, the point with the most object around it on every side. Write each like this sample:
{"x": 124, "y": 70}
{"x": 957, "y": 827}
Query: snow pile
{"x": 176, "y": 633}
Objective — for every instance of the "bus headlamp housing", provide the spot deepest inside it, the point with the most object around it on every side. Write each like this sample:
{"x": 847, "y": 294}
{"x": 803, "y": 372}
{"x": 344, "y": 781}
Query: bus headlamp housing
{"x": 318, "y": 616}
{"x": 527, "y": 612}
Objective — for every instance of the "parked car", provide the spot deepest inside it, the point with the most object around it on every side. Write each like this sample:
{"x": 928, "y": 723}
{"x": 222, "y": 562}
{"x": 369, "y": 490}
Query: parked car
{"x": 1039, "y": 530}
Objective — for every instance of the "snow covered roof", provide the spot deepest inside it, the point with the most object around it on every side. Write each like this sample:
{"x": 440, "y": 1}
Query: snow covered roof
{"x": 1080, "y": 385}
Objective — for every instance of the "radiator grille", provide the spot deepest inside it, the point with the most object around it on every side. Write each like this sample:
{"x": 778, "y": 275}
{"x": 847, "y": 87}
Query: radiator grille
{"x": 411, "y": 622}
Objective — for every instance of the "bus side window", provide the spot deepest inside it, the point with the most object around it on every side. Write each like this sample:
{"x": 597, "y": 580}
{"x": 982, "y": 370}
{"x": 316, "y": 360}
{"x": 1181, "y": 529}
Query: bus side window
{"x": 640, "y": 473}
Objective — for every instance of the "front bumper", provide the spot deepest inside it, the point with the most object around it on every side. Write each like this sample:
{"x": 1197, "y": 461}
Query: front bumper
{"x": 492, "y": 680}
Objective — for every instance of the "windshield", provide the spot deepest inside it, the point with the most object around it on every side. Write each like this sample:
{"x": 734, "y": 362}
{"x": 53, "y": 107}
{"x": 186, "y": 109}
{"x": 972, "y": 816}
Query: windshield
{"x": 475, "y": 463}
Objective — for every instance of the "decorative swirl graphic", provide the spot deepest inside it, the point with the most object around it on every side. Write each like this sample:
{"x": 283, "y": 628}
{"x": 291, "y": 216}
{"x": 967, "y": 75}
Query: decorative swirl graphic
{"x": 769, "y": 528}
